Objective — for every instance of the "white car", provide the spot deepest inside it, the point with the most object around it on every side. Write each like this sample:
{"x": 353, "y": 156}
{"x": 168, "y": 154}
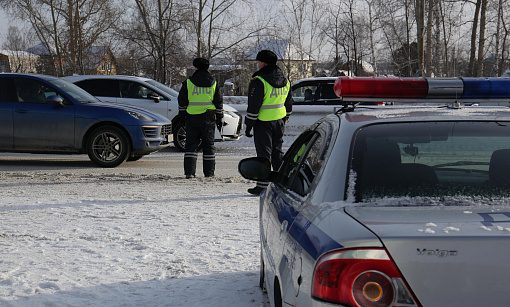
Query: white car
{"x": 392, "y": 206}
{"x": 154, "y": 96}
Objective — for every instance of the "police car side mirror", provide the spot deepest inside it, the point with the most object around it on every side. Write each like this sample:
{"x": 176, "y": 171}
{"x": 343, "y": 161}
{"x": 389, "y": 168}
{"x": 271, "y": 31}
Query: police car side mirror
{"x": 256, "y": 168}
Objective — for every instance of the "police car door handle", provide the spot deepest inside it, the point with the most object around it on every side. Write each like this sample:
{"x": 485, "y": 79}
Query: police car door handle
{"x": 283, "y": 227}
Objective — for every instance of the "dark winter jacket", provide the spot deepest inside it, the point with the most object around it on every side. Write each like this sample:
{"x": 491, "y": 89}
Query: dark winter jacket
{"x": 201, "y": 78}
{"x": 275, "y": 77}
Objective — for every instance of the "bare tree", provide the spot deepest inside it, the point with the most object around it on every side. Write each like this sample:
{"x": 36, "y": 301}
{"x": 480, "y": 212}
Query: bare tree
{"x": 220, "y": 25}
{"x": 154, "y": 31}
{"x": 72, "y": 27}
{"x": 420, "y": 34}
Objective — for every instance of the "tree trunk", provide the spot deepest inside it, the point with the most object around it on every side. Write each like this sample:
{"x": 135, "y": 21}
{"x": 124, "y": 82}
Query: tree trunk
{"x": 420, "y": 26}
{"x": 481, "y": 42}
{"x": 428, "y": 53}
{"x": 472, "y": 54}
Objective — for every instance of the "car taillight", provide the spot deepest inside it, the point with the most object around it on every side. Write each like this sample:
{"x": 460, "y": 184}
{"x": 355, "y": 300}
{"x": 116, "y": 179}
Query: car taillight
{"x": 360, "y": 277}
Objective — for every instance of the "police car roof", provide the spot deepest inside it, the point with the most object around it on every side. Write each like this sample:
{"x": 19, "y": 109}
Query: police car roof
{"x": 426, "y": 113}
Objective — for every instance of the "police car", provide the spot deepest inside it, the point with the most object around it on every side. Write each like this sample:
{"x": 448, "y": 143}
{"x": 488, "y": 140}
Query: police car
{"x": 404, "y": 205}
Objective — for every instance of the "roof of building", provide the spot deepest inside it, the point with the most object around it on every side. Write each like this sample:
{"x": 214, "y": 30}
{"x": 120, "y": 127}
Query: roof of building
{"x": 17, "y": 53}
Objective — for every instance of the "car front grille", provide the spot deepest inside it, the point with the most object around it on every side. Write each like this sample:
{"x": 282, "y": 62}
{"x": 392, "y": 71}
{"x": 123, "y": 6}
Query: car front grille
{"x": 166, "y": 130}
{"x": 152, "y": 131}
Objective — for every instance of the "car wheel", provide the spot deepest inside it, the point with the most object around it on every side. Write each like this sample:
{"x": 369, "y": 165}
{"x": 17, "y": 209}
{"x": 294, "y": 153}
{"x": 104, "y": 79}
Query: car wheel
{"x": 278, "y": 301}
{"x": 108, "y": 146}
{"x": 134, "y": 158}
{"x": 180, "y": 137}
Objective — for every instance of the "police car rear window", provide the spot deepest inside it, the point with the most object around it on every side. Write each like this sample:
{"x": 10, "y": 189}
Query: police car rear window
{"x": 446, "y": 160}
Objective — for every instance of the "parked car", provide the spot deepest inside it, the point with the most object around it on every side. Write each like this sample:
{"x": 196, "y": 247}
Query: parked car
{"x": 45, "y": 114}
{"x": 394, "y": 206}
{"x": 319, "y": 91}
{"x": 154, "y": 96}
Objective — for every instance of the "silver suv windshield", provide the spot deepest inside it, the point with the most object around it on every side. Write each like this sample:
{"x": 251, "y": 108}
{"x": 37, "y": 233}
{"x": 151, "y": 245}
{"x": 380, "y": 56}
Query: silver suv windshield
{"x": 163, "y": 87}
{"x": 75, "y": 91}
{"x": 449, "y": 161}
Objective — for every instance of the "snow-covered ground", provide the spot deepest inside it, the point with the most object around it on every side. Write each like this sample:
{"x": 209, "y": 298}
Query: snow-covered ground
{"x": 73, "y": 234}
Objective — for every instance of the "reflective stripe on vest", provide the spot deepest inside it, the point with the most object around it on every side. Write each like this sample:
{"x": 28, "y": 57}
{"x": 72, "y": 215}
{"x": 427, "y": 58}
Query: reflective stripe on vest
{"x": 273, "y": 106}
{"x": 200, "y": 98}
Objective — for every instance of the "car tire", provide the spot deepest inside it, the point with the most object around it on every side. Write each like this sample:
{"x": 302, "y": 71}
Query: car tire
{"x": 108, "y": 146}
{"x": 262, "y": 277}
{"x": 180, "y": 137}
{"x": 278, "y": 300}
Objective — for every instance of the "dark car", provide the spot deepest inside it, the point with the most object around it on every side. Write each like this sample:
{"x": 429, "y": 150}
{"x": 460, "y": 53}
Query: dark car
{"x": 45, "y": 114}
{"x": 318, "y": 91}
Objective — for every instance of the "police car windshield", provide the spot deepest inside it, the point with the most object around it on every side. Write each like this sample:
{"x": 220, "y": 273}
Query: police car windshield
{"x": 443, "y": 160}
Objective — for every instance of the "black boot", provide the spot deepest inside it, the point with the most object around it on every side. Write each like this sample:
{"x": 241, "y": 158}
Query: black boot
{"x": 256, "y": 190}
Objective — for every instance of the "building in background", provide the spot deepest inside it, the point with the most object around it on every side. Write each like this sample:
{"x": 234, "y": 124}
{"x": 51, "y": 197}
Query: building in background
{"x": 97, "y": 60}
{"x": 18, "y": 61}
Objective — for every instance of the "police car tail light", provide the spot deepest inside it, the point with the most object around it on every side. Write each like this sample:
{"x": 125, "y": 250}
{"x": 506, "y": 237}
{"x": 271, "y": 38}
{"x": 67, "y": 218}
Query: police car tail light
{"x": 360, "y": 277}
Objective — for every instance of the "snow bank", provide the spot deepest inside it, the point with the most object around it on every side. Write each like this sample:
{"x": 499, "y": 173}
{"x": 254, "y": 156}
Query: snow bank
{"x": 73, "y": 234}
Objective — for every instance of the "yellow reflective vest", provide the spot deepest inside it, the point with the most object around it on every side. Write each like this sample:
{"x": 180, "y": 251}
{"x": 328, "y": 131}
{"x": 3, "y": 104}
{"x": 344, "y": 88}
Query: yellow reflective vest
{"x": 273, "y": 106}
{"x": 200, "y": 98}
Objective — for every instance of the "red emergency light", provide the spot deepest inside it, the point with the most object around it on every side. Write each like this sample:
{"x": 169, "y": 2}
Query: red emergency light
{"x": 423, "y": 89}
{"x": 381, "y": 87}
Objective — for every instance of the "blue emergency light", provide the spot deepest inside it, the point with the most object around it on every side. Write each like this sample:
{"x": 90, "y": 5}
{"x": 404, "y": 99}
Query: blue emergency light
{"x": 423, "y": 89}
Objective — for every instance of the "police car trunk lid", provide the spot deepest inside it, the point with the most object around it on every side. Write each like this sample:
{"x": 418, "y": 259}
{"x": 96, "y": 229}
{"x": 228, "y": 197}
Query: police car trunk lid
{"x": 450, "y": 256}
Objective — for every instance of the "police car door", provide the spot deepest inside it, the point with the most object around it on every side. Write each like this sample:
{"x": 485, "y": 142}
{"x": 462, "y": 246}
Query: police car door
{"x": 301, "y": 165}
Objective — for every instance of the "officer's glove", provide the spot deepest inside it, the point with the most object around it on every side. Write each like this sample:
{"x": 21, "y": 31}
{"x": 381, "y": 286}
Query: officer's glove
{"x": 248, "y": 131}
{"x": 219, "y": 121}
{"x": 182, "y": 118}
{"x": 219, "y": 124}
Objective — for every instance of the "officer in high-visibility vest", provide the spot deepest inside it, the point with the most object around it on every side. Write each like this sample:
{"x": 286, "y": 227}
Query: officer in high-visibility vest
{"x": 269, "y": 107}
{"x": 201, "y": 106}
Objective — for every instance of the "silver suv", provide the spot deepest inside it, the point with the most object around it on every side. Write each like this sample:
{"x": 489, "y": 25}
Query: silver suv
{"x": 154, "y": 96}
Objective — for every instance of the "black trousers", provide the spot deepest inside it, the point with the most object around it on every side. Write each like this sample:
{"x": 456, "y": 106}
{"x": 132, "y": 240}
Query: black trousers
{"x": 199, "y": 127}
{"x": 268, "y": 138}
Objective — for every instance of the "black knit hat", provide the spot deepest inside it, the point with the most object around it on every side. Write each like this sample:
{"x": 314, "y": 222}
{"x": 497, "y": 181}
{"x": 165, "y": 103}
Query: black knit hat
{"x": 201, "y": 63}
{"x": 267, "y": 56}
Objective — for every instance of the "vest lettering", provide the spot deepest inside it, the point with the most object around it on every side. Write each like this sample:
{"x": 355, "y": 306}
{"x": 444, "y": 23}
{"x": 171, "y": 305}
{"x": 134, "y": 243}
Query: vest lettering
{"x": 201, "y": 90}
{"x": 275, "y": 92}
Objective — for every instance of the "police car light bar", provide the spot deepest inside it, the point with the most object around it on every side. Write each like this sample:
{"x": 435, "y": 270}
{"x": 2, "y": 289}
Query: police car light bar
{"x": 423, "y": 89}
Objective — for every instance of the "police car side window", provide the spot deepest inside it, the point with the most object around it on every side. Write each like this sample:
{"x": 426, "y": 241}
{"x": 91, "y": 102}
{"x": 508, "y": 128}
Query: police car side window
{"x": 292, "y": 159}
{"x": 309, "y": 166}
{"x": 302, "y": 163}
